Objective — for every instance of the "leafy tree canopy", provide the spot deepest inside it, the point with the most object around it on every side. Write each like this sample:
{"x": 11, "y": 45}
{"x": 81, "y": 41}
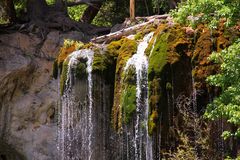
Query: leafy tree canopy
{"x": 192, "y": 12}
{"x": 227, "y": 105}
{"x": 210, "y": 12}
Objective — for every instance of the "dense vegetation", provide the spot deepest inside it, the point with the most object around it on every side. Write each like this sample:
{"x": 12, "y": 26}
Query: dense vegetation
{"x": 227, "y": 105}
{"x": 193, "y": 12}
{"x": 211, "y": 12}
{"x": 98, "y": 12}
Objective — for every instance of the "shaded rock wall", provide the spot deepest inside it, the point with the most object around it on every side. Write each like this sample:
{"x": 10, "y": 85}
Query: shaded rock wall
{"x": 105, "y": 142}
{"x": 29, "y": 95}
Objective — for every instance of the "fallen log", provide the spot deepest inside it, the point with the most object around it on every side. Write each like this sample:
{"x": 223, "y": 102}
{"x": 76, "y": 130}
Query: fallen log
{"x": 127, "y": 31}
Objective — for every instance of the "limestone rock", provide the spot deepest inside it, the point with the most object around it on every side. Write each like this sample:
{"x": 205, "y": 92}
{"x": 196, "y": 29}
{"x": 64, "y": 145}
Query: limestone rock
{"x": 29, "y": 95}
{"x": 55, "y": 39}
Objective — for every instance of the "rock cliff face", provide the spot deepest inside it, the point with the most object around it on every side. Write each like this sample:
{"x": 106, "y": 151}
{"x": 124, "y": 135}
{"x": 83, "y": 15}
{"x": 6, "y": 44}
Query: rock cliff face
{"x": 29, "y": 95}
{"x": 34, "y": 121}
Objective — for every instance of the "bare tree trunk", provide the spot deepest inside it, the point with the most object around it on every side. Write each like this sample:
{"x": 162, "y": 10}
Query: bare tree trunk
{"x": 55, "y": 16}
{"x": 61, "y": 5}
{"x": 146, "y": 5}
{"x": 90, "y": 13}
{"x": 37, "y": 9}
{"x": 173, "y": 3}
{"x": 132, "y": 9}
{"x": 158, "y": 6}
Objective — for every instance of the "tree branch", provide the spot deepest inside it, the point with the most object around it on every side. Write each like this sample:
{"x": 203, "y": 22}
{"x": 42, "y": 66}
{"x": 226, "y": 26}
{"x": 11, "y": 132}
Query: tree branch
{"x": 126, "y": 31}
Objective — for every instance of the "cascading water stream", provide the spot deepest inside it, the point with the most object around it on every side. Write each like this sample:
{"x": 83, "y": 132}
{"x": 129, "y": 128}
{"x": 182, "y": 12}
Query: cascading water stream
{"x": 90, "y": 84}
{"x": 76, "y": 131}
{"x": 140, "y": 62}
{"x": 195, "y": 112}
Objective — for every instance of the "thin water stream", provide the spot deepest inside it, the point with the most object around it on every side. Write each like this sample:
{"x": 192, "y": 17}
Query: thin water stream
{"x": 73, "y": 129}
{"x": 140, "y": 63}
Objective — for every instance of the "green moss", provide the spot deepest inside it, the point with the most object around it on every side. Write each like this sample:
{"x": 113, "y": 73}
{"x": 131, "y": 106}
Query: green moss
{"x": 113, "y": 47}
{"x": 150, "y": 46}
{"x": 157, "y": 61}
{"x": 80, "y": 70}
{"x": 68, "y": 47}
{"x": 63, "y": 77}
{"x": 158, "y": 57}
{"x": 154, "y": 92}
{"x": 89, "y": 45}
{"x": 145, "y": 30}
{"x": 102, "y": 62}
{"x": 55, "y": 69}
{"x": 128, "y": 99}
{"x": 152, "y": 122}
{"x": 129, "y": 76}
{"x": 129, "y": 102}
{"x": 139, "y": 36}
{"x": 68, "y": 43}
{"x": 171, "y": 43}
{"x": 126, "y": 48}
{"x": 99, "y": 62}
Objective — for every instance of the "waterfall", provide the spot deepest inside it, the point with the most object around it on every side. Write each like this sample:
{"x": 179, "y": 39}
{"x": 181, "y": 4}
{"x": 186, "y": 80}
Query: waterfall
{"x": 140, "y": 63}
{"x": 76, "y": 121}
{"x": 90, "y": 84}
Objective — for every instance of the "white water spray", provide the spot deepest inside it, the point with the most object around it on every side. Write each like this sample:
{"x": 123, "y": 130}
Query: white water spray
{"x": 70, "y": 129}
{"x": 140, "y": 62}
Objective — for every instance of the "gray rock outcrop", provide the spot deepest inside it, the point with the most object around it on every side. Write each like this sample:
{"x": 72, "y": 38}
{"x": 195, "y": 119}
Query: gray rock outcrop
{"x": 29, "y": 95}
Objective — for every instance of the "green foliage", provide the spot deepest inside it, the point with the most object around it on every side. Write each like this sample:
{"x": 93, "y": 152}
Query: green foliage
{"x": 193, "y": 12}
{"x": 3, "y": 16}
{"x": 19, "y": 6}
{"x": 229, "y": 158}
{"x": 211, "y": 12}
{"x": 107, "y": 15}
{"x": 184, "y": 151}
{"x": 160, "y": 6}
{"x": 50, "y": 2}
{"x": 113, "y": 12}
{"x": 190, "y": 146}
{"x": 3, "y": 20}
{"x": 76, "y": 12}
{"x": 227, "y": 105}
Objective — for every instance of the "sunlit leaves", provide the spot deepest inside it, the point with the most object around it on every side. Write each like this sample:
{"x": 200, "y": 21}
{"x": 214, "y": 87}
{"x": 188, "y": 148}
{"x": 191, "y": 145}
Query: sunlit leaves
{"x": 193, "y": 12}
{"x": 227, "y": 105}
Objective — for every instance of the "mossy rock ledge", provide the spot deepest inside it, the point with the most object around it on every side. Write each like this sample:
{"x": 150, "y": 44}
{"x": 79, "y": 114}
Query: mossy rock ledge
{"x": 176, "y": 56}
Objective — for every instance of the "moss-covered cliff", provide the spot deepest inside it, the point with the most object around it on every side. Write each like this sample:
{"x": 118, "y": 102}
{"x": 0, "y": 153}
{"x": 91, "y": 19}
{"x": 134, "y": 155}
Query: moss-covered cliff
{"x": 177, "y": 69}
